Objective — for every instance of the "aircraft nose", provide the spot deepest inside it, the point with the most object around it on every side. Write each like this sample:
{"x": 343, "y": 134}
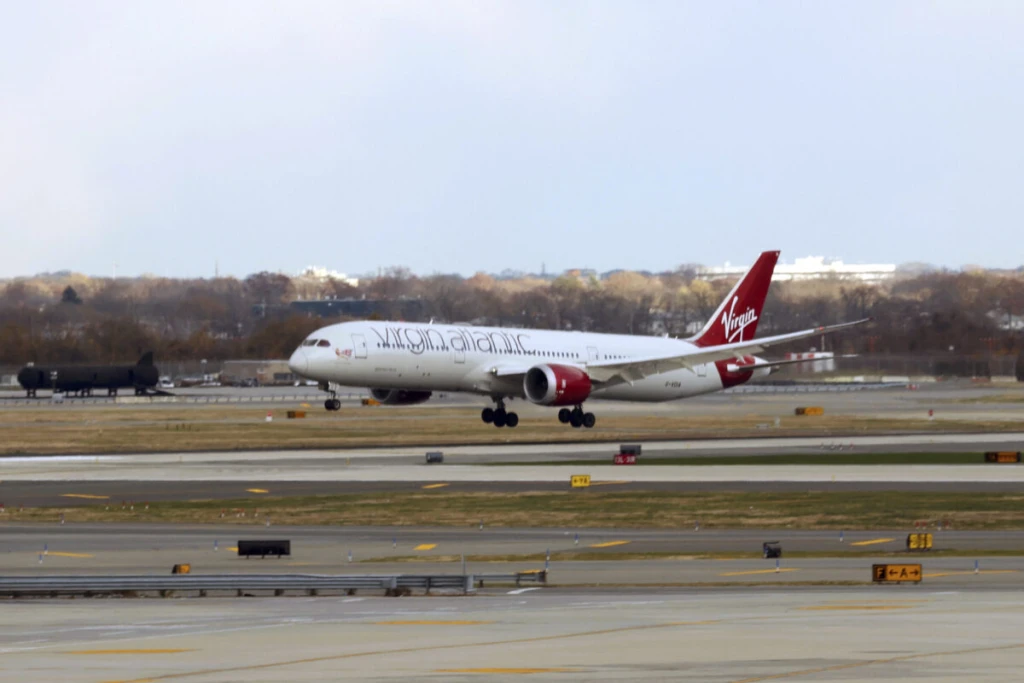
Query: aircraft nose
{"x": 298, "y": 362}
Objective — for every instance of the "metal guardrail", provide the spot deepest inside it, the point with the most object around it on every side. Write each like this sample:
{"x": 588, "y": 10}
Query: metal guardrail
{"x": 393, "y": 584}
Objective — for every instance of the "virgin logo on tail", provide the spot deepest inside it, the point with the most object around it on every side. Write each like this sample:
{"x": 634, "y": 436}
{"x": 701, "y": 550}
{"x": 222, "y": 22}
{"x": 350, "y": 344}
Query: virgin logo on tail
{"x": 735, "y": 324}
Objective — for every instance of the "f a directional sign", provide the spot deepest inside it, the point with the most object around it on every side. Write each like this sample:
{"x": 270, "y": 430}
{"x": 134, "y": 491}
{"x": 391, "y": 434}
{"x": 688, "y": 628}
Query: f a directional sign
{"x": 896, "y": 573}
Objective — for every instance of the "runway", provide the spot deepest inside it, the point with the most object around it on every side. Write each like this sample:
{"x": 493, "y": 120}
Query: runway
{"x": 723, "y": 636}
{"x": 582, "y": 556}
{"x": 69, "y": 481}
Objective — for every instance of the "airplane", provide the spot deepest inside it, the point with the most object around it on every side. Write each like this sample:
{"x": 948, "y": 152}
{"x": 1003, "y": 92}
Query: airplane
{"x": 404, "y": 363}
{"x": 83, "y": 379}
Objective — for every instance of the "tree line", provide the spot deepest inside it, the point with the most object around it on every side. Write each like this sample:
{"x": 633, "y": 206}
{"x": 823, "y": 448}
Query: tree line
{"x": 71, "y": 318}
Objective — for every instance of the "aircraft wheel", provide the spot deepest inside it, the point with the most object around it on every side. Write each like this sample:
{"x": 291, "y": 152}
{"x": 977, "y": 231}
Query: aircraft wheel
{"x": 511, "y": 420}
{"x": 487, "y": 415}
{"x": 500, "y": 418}
{"x": 576, "y": 420}
{"x": 335, "y": 404}
{"x": 563, "y": 415}
{"x": 589, "y": 420}
{"x": 329, "y": 404}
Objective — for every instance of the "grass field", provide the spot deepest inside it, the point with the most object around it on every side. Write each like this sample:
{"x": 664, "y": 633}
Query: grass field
{"x": 120, "y": 429}
{"x": 581, "y": 509}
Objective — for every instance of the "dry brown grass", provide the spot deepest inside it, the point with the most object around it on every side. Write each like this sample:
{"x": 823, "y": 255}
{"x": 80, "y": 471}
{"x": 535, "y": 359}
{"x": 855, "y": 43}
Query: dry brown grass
{"x": 51, "y": 430}
{"x": 578, "y": 509}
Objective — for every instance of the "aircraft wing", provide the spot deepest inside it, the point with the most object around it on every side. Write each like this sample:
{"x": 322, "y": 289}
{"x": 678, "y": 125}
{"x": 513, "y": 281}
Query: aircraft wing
{"x": 635, "y": 369}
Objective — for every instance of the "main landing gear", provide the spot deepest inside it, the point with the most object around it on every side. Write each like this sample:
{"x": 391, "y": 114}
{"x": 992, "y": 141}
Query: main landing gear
{"x": 498, "y": 416}
{"x": 576, "y": 417}
{"x": 333, "y": 403}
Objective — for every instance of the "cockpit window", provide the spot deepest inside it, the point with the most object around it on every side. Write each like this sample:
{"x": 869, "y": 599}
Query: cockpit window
{"x": 323, "y": 342}
{"x": 309, "y": 342}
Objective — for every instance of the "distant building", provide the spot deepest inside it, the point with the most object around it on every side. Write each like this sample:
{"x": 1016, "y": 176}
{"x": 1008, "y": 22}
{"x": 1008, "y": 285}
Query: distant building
{"x": 399, "y": 309}
{"x": 262, "y": 372}
{"x": 321, "y": 273}
{"x": 809, "y": 268}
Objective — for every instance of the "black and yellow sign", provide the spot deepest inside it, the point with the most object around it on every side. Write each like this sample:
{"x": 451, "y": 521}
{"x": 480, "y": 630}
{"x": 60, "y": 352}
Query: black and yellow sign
{"x": 810, "y": 410}
{"x": 1003, "y": 457}
{"x": 580, "y": 481}
{"x": 919, "y": 541}
{"x": 896, "y": 573}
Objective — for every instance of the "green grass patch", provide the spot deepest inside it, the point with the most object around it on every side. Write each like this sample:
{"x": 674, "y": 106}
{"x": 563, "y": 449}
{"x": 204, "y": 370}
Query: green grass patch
{"x": 583, "y": 508}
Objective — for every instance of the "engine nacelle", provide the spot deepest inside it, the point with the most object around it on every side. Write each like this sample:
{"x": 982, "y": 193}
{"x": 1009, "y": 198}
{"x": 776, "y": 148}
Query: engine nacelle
{"x": 399, "y": 397}
{"x": 556, "y": 385}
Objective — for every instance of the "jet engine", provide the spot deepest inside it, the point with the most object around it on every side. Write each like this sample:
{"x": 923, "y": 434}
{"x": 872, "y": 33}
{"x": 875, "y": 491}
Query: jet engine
{"x": 399, "y": 397}
{"x": 556, "y": 385}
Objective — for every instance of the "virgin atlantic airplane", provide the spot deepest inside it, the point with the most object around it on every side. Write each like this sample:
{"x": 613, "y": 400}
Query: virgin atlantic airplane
{"x": 405, "y": 363}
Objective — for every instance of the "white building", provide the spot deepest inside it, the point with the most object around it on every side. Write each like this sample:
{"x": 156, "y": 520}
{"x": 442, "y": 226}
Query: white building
{"x": 321, "y": 273}
{"x": 809, "y": 268}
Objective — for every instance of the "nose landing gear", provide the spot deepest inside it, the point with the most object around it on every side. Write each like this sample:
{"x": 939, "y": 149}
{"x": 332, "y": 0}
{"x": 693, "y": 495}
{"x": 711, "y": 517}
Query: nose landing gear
{"x": 498, "y": 416}
{"x": 577, "y": 418}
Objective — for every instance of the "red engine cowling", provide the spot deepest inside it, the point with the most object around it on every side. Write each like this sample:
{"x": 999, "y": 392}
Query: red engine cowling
{"x": 556, "y": 385}
{"x": 399, "y": 397}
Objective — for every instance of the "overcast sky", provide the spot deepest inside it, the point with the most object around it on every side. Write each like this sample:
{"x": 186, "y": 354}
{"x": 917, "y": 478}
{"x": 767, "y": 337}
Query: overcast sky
{"x": 476, "y": 135}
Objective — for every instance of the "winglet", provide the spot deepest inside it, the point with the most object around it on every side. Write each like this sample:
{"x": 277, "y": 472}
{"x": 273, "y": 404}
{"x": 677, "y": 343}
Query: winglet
{"x": 736, "y": 319}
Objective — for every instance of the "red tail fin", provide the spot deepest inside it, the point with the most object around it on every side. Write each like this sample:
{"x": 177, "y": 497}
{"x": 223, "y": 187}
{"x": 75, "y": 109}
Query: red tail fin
{"x": 736, "y": 319}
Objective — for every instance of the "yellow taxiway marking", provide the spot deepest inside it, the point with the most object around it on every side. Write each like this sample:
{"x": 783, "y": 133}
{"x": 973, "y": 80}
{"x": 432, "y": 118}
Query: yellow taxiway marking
{"x": 760, "y": 571}
{"x": 232, "y": 549}
{"x": 608, "y": 483}
{"x": 87, "y": 496}
{"x": 608, "y": 544}
{"x": 160, "y": 651}
{"x": 435, "y": 486}
{"x": 864, "y": 608}
{"x": 218, "y": 671}
{"x": 429, "y": 622}
{"x": 874, "y": 541}
{"x": 494, "y": 670}
{"x": 934, "y": 575}
{"x": 425, "y": 546}
{"x": 257, "y": 491}
{"x": 800, "y": 673}
{"x": 55, "y": 553}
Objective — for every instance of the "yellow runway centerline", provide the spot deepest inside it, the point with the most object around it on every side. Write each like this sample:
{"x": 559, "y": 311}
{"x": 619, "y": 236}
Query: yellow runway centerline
{"x": 425, "y": 546}
{"x": 608, "y": 544}
{"x": 161, "y": 651}
{"x": 965, "y": 573}
{"x": 435, "y": 486}
{"x": 429, "y": 622}
{"x": 862, "y": 608}
{"x": 87, "y": 496}
{"x": 257, "y": 490}
{"x": 874, "y": 541}
{"x": 496, "y": 670}
{"x": 760, "y": 571}
{"x": 55, "y": 553}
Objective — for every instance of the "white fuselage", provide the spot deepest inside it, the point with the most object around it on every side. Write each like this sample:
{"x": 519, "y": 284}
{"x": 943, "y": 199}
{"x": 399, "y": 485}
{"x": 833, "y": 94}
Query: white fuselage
{"x": 430, "y": 357}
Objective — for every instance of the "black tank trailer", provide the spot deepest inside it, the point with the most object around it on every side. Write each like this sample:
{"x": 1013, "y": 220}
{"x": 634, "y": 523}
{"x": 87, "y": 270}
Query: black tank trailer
{"x": 84, "y": 379}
